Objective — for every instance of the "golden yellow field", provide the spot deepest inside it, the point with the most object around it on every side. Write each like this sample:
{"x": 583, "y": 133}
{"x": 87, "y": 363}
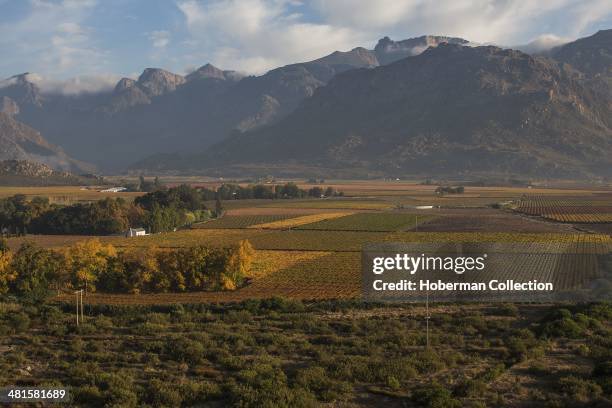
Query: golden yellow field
{"x": 297, "y": 221}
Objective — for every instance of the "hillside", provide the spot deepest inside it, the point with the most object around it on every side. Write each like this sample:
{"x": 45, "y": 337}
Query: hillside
{"x": 165, "y": 112}
{"x": 25, "y": 173}
{"x": 591, "y": 55}
{"x": 21, "y": 142}
{"x": 450, "y": 110}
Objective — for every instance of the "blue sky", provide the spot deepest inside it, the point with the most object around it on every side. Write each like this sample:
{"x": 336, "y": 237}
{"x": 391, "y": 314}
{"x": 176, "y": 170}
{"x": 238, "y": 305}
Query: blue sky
{"x": 75, "y": 45}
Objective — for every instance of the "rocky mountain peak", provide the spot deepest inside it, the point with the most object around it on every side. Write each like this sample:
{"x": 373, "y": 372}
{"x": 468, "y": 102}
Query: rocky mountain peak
{"x": 156, "y": 81}
{"x": 206, "y": 71}
{"x": 388, "y": 50}
{"x": 21, "y": 90}
{"x": 357, "y": 58}
{"x": 123, "y": 84}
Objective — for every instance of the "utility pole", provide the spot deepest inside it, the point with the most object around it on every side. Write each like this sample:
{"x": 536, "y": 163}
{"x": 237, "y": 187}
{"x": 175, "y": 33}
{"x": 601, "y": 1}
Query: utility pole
{"x": 79, "y": 306}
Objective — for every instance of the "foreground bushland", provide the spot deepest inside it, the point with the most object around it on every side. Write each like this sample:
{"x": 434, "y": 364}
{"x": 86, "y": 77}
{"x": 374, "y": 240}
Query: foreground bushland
{"x": 282, "y": 353}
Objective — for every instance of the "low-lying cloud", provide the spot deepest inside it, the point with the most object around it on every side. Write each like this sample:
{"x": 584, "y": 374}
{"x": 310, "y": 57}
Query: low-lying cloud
{"x": 73, "y": 86}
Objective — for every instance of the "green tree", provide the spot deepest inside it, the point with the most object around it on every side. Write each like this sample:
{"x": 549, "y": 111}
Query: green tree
{"x": 35, "y": 269}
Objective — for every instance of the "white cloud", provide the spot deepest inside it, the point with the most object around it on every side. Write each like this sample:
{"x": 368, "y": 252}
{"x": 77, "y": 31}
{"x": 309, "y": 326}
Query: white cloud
{"x": 159, "y": 38}
{"x": 543, "y": 43}
{"x": 73, "y": 86}
{"x": 256, "y": 35}
{"x": 52, "y": 38}
{"x": 499, "y": 21}
{"x": 76, "y": 85}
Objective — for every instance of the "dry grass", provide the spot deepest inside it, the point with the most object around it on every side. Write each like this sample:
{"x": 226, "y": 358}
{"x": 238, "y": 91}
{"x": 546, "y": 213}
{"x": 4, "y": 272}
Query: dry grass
{"x": 268, "y": 262}
{"x": 297, "y": 221}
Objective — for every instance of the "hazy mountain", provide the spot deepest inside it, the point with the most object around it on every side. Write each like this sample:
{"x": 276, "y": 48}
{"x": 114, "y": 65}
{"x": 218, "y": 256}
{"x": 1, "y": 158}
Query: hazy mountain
{"x": 165, "y": 112}
{"x": 21, "y": 142}
{"x": 449, "y": 110}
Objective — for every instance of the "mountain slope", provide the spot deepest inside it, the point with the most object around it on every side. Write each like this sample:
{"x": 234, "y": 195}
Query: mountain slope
{"x": 165, "y": 112}
{"x": 21, "y": 142}
{"x": 451, "y": 109}
{"x": 24, "y": 173}
{"x": 591, "y": 55}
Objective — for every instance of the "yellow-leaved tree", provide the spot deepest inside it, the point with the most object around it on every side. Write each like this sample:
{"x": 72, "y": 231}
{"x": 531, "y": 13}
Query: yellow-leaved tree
{"x": 238, "y": 265}
{"x": 7, "y": 274}
{"x": 85, "y": 261}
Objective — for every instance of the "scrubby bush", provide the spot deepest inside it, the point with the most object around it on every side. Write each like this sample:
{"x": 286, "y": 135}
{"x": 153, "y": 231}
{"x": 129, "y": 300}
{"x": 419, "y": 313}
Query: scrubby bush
{"x": 19, "y": 322}
{"x": 434, "y": 396}
{"x": 578, "y": 389}
{"x": 162, "y": 394}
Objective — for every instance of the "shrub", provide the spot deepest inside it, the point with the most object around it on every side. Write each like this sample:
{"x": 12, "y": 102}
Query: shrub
{"x": 88, "y": 395}
{"x": 117, "y": 389}
{"x": 163, "y": 394}
{"x": 579, "y": 389}
{"x": 434, "y": 396}
{"x": 393, "y": 383}
{"x": 185, "y": 350}
{"x": 196, "y": 392}
{"x": 471, "y": 388}
{"x": 19, "y": 322}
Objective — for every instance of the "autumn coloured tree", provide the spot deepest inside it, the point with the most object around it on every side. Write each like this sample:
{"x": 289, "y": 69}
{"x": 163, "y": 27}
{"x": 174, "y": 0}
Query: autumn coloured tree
{"x": 33, "y": 272}
{"x": 6, "y": 273}
{"x": 85, "y": 261}
{"x": 238, "y": 264}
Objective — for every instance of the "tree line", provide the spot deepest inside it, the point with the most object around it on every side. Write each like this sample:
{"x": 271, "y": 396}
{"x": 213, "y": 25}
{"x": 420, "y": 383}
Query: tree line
{"x": 34, "y": 273}
{"x": 164, "y": 209}
{"x": 268, "y": 191}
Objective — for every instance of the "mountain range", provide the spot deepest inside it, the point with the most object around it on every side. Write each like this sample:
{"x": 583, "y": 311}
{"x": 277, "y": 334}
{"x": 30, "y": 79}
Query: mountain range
{"x": 165, "y": 112}
{"x": 427, "y": 105}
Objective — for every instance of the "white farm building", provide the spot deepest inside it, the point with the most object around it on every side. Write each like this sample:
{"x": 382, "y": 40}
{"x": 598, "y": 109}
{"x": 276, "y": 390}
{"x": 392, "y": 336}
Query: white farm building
{"x": 135, "y": 232}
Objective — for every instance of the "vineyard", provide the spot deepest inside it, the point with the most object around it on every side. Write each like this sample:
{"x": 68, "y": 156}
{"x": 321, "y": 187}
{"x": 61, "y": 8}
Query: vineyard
{"x": 336, "y": 204}
{"x": 297, "y": 221}
{"x": 240, "y": 221}
{"x": 596, "y": 209}
{"x": 311, "y": 248}
{"x": 373, "y": 221}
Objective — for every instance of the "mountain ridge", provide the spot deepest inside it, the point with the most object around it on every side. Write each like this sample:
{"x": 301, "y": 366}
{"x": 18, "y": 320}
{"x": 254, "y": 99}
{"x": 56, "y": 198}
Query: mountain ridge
{"x": 450, "y": 109}
{"x": 162, "y": 111}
